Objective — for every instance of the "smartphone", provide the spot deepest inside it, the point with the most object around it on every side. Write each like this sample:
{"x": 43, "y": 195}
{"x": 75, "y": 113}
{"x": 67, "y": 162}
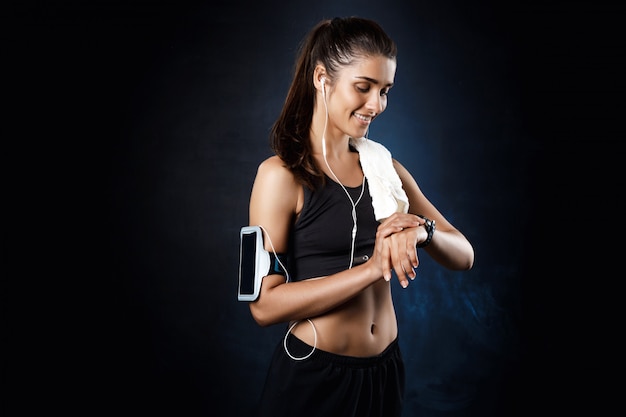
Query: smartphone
{"x": 254, "y": 263}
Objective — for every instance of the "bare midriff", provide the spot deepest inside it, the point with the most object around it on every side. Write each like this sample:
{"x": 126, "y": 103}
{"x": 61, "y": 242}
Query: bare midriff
{"x": 361, "y": 327}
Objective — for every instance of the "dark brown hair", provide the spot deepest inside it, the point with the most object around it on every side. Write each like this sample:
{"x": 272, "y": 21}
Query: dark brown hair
{"x": 335, "y": 44}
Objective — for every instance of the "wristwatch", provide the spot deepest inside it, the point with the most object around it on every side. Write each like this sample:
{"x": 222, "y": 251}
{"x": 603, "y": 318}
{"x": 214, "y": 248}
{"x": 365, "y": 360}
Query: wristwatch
{"x": 429, "y": 225}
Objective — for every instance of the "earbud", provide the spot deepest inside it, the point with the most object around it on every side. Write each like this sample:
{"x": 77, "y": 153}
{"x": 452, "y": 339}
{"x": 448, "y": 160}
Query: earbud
{"x": 323, "y": 82}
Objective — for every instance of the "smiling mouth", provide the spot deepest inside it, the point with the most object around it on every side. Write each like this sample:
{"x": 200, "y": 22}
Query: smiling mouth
{"x": 363, "y": 118}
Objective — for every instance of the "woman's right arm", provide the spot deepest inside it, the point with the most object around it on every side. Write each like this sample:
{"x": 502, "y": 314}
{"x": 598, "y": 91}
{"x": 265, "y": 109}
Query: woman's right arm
{"x": 275, "y": 200}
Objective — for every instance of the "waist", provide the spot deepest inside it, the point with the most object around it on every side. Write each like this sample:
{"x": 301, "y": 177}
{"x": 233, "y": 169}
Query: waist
{"x": 299, "y": 348}
{"x": 354, "y": 329}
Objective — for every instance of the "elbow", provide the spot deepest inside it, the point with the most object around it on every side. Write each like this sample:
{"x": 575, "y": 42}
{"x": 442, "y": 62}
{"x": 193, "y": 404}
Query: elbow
{"x": 469, "y": 261}
{"x": 268, "y": 308}
{"x": 260, "y": 315}
{"x": 460, "y": 260}
{"x": 468, "y": 265}
{"x": 463, "y": 262}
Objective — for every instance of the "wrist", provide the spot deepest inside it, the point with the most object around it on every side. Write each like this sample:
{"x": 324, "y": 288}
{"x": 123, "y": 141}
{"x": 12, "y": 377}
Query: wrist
{"x": 429, "y": 225}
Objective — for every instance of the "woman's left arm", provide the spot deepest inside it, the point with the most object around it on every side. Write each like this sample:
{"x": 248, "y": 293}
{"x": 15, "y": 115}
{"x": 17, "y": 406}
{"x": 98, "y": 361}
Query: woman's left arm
{"x": 448, "y": 246}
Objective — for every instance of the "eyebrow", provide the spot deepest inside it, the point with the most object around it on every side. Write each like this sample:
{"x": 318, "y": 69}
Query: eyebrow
{"x": 372, "y": 80}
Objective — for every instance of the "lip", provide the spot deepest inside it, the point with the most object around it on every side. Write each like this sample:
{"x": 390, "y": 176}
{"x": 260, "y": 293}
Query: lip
{"x": 363, "y": 120}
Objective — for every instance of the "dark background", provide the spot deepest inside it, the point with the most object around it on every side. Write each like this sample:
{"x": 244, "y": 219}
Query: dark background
{"x": 135, "y": 131}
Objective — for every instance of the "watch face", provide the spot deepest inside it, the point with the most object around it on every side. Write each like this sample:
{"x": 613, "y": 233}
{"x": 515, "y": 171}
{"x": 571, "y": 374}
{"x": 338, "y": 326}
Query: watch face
{"x": 428, "y": 223}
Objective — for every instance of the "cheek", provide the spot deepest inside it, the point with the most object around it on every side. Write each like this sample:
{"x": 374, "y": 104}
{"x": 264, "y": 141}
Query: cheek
{"x": 349, "y": 105}
{"x": 348, "y": 99}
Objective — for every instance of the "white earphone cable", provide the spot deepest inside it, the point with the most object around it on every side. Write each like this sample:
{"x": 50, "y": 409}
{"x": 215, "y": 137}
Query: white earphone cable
{"x": 314, "y": 341}
{"x": 354, "y": 230}
{"x": 269, "y": 239}
{"x": 354, "y": 204}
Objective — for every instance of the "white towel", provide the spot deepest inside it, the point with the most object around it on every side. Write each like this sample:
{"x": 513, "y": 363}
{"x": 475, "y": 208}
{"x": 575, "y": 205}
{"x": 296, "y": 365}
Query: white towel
{"x": 385, "y": 185}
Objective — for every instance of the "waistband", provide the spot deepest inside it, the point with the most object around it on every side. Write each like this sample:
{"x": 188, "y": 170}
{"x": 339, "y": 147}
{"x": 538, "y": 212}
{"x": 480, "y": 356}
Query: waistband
{"x": 299, "y": 348}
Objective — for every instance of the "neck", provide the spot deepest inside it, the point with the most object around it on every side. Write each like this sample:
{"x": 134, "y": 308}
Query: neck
{"x": 322, "y": 137}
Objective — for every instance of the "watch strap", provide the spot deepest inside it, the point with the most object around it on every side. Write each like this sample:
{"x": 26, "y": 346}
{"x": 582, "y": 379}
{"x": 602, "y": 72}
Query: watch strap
{"x": 429, "y": 225}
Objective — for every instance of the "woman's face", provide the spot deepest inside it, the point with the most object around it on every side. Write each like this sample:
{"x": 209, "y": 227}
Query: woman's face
{"x": 359, "y": 94}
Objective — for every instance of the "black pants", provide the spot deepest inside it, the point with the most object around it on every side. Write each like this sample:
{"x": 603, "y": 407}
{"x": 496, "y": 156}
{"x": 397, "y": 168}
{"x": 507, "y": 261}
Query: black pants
{"x": 326, "y": 384}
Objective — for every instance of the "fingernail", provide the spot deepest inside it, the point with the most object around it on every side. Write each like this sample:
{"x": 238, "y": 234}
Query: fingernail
{"x": 404, "y": 284}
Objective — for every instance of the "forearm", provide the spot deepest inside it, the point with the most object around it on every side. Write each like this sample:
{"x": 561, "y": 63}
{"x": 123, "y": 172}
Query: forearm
{"x": 283, "y": 302}
{"x": 451, "y": 249}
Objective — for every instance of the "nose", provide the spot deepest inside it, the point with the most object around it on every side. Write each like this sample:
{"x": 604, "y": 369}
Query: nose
{"x": 376, "y": 102}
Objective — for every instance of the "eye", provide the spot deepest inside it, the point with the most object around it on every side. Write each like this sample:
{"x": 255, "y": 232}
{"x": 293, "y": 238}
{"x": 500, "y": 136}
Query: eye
{"x": 366, "y": 87}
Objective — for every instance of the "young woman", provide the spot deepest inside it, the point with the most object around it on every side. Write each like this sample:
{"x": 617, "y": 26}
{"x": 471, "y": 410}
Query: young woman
{"x": 345, "y": 214}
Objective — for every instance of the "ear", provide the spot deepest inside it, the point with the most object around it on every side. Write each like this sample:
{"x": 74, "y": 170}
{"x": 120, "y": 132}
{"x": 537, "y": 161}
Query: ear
{"x": 319, "y": 77}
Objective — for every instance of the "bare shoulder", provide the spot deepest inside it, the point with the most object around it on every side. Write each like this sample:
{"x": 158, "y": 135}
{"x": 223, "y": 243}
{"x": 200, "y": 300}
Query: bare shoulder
{"x": 273, "y": 171}
{"x": 276, "y": 198}
{"x": 273, "y": 164}
{"x": 275, "y": 186}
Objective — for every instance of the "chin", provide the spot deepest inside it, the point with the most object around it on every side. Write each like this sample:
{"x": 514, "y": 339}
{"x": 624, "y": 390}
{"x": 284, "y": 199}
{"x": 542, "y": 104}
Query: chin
{"x": 359, "y": 133}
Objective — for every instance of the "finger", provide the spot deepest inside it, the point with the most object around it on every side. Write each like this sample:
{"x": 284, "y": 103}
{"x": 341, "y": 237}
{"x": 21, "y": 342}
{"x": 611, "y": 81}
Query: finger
{"x": 404, "y": 282}
{"x": 385, "y": 256}
{"x": 404, "y": 257}
{"x": 396, "y": 259}
{"x": 408, "y": 272}
{"x": 411, "y": 253}
{"x": 408, "y": 269}
{"x": 386, "y": 229}
{"x": 402, "y": 220}
{"x": 402, "y": 277}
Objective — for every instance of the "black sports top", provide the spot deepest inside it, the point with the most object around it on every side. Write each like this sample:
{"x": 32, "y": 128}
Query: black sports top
{"x": 322, "y": 235}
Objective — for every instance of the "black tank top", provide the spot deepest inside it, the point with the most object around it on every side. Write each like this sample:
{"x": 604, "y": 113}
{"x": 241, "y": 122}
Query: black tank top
{"x": 322, "y": 235}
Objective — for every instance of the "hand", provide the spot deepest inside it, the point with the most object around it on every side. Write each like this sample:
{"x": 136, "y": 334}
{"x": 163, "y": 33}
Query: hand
{"x": 403, "y": 257}
{"x": 396, "y": 241}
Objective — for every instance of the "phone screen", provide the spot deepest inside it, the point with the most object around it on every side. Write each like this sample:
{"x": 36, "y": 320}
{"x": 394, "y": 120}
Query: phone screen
{"x": 248, "y": 259}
